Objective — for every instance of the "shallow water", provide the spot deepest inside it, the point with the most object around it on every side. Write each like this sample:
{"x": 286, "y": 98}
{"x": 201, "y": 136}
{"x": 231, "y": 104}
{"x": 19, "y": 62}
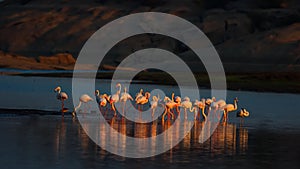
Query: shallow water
{"x": 52, "y": 142}
{"x": 270, "y": 137}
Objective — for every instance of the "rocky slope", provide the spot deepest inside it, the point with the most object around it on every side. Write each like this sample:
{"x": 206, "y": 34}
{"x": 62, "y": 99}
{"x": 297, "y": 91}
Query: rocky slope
{"x": 250, "y": 35}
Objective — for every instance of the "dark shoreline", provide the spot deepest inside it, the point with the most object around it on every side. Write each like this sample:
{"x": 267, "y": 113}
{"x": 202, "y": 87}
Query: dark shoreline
{"x": 277, "y": 82}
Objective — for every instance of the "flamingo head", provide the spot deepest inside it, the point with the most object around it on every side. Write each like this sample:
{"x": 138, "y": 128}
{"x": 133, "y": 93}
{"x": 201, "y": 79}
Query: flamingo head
{"x": 118, "y": 85}
{"x": 154, "y": 98}
{"x": 177, "y": 99}
{"x": 208, "y": 101}
{"x": 57, "y": 89}
{"x": 166, "y": 99}
{"x": 186, "y": 99}
{"x": 245, "y": 112}
{"x": 147, "y": 95}
{"x": 236, "y": 99}
{"x": 97, "y": 92}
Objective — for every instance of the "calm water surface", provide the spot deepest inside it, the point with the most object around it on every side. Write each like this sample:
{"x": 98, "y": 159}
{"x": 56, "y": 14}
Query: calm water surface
{"x": 270, "y": 138}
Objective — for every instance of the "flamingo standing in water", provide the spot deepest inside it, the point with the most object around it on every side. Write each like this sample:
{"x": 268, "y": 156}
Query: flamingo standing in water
{"x": 124, "y": 97}
{"x": 114, "y": 98}
{"x": 97, "y": 95}
{"x": 154, "y": 104}
{"x": 139, "y": 94}
{"x": 62, "y": 96}
{"x": 83, "y": 99}
{"x": 201, "y": 106}
{"x": 171, "y": 104}
{"x": 228, "y": 108}
{"x": 101, "y": 99}
{"x": 187, "y": 104}
{"x": 143, "y": 99}
{"x": 242, "y": 114}
{"x": 217, "y": 104}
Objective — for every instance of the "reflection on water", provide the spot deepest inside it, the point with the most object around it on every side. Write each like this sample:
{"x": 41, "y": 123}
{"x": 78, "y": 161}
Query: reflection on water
{"x": 50, "y": 142}
{"x": 227, "y": 139}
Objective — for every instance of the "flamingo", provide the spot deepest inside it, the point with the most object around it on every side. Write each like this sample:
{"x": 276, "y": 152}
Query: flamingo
{"x": 208, "y": 101}
{"x": 124, "y": 97}
{"x": 83, "y": 99}
{"x": 217, "y": 104}
{"x": 115, "y": 98}
{"x": 139, "y": 94}
{"x": 170, "y": 104}
{"x": 154, "y": 104}
{"x": 229, "y": 107}
{"x": 97, "y": 95}
{"x": 187, "y": 104}
{"x": 101, "y": 99}
{"x": 242, "y": 114}
{"x": 62, "y": 96}
{"x": 201, "y": 105}
{"x": 143, "y": 99}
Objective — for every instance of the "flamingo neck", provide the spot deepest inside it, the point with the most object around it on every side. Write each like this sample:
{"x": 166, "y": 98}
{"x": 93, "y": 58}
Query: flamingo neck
{"x": 235, "y": 104}
{"x": 78, "y": 106}
{"x": 203, "y": 114}
{"x": 120, "y": 88}
{"x": 192, "y": 109}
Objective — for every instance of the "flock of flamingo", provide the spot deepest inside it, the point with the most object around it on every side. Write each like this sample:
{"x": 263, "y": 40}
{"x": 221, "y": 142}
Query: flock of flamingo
{"x": 169, "y": 104}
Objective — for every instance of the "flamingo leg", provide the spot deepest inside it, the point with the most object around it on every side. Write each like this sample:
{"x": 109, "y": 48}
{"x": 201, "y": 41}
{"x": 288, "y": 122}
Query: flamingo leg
{"x": 62, "y": 108}
{"x": 172, "y": 115}
{"x": 124, "y": 106}
{"x": 153, "y": 110}
{"x": 195, "y": 114}
{"x": 225, "y": 116}
{"x": 164, "y": 114}
{"x": 113, "y": 108}
{"x": 177, "y": 110}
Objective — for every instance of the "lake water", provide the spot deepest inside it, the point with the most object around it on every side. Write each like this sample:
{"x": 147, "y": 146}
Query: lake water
{"x": 269, "y": 138}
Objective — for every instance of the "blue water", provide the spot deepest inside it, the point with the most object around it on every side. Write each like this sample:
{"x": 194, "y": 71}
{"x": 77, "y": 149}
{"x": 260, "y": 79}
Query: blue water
{"x": 269, "y": 138}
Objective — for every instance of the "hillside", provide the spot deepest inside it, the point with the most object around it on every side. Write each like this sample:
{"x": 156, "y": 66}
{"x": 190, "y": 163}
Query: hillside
{"x": 249, "y": 35}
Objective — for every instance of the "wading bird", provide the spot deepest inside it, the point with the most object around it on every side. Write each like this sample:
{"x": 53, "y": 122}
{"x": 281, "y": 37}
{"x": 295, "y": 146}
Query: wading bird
{"x": 83, "y": 99}
{"x": 154, "y": 104}
{"x": 217, "y": 104}
{"x": 242, "y": 114}
{"x": 201, "y": 106}
{"x": 171, "y": 104}
{"x": 187, "y": 104}
{"x": 62, "y": 96}
{"x": 139, "y": 94}
{"x": 101, "y": 99}
{"x": 228, "y": 108}
{"x": 143, "y": 99}
{"x": 114, "y": 98}
{"x": 97, "y": 95}
{"x": 124, "y": 97}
